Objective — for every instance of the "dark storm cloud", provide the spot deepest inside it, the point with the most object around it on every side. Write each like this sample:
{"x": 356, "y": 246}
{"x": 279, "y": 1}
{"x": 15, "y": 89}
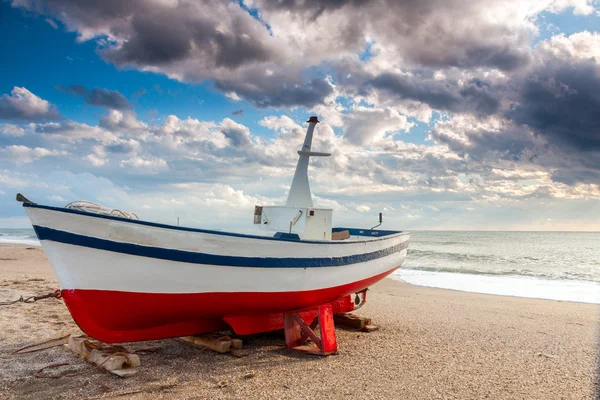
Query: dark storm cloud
{"x": 485, "y": 144}
{"x": 552, "y": 122}
{"x": 561, "y": 102}
{"x": 475, "y": 96}
{"x": 221, "y": 41}
{"x": 271, "y": 92}
{"x": 99, "y": 97}
{"x": 430, "y": 33}
{"x": 158, "y": 34}
{"x": 159, "y": 39}
{"x": 315, "y": 7}
{"x": 190, "y": 41}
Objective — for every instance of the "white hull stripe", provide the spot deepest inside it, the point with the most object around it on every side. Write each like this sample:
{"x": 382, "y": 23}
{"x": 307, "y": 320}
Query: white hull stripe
{"x": 54, "y": 235}
{"x": 80, "y": 267}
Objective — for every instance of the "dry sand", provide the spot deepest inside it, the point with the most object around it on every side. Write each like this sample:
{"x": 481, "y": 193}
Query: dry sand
{"x": 433, "y": 344}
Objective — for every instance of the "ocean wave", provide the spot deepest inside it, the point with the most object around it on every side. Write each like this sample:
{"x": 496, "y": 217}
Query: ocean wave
{"x": 465, "y": 257}
{"x": 557, "y": 275}
{"x": 19, "y": 236}
{"x": 565, "y": 290}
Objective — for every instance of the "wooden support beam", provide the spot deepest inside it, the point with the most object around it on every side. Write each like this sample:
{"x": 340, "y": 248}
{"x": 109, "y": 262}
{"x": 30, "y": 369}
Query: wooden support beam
{"x": 307, "y": 330}
{"x": 236, "y": 344}
{"x": 351, "y": 320}
{"x": 114, "y": 359}
{"x": 297, "y": 332}
{"x": 216, "y": 343}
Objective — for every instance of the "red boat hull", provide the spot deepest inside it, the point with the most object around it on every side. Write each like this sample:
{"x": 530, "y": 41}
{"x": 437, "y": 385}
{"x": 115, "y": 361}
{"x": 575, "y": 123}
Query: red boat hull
{"x": 115, "y": 316}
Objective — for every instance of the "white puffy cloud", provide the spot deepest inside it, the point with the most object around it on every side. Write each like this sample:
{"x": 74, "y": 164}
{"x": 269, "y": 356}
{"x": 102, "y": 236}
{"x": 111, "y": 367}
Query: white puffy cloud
{"x": 11, "y": 130}
{"x": 21, "y": 104}
{"x": 24, "y": 154}
{"x": 144, "y": 166}
{"x": 116, "y": 119}
{"x": 364, "y": 126}
{"x": 580, "y": 7}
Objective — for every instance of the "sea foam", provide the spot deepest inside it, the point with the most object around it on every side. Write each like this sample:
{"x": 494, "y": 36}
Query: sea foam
{"x": 520, "y": 286}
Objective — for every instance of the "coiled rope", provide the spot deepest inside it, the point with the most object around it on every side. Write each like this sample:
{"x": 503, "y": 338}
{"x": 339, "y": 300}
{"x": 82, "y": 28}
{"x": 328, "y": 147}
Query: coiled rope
{"x": 88, "y": 206}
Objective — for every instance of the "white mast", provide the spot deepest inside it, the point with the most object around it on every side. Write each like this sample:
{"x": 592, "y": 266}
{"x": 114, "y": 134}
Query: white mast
{"x": 300, "y": 191}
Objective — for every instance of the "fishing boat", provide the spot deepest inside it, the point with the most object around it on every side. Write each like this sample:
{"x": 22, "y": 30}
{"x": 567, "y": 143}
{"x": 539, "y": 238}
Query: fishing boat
{"x": 125, "y": 279}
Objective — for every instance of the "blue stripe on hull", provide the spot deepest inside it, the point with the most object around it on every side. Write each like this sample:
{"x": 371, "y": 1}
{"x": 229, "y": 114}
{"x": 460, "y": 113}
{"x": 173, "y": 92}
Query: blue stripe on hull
{"x": 44, "y": 233}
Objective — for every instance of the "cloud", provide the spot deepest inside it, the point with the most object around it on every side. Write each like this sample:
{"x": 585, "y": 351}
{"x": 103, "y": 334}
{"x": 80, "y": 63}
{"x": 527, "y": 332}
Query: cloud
{"x": 191, "y": 41}
{"x": 24, "y": 154}
{"x": 73, "y": 132}
{"x": 559, "y": 99}
{"x": 145, "y": 166}
{"x": 110, "y": 99}
{"x": 96, "y": 160}
{"x": 474, "y": 96}
{"x": 364, "y": 126}
{"x": 580, "y": 7}
{"x": 279, "y": 89}
{"x": 431, "y": 33}
{"x": 267, "y": 60}
{"x": 125, "y": 120}
{"x": 21, "y": 104}
{"x": 11, "y": 130}
{"x": 549, "y": 119}
{"x": 238, "y": 134}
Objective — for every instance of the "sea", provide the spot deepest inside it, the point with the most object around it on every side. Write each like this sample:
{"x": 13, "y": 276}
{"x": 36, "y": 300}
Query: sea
{"x": 547, "y": 265}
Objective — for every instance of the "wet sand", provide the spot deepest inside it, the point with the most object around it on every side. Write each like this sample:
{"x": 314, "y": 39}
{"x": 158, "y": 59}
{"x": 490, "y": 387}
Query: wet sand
{"x": 432, "y": 344}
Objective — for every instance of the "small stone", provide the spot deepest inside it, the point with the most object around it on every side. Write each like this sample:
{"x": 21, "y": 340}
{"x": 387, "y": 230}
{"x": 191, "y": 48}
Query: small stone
{"x": 249, "y": 375}
{"x": 222, "y": 384}
{"x": 370, "y": 328}
{"x": 239, "y": 353}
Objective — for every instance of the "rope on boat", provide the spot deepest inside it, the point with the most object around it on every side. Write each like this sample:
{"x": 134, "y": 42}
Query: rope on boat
{"x": 88, "y": 206}
{"x": 32, "y": 299}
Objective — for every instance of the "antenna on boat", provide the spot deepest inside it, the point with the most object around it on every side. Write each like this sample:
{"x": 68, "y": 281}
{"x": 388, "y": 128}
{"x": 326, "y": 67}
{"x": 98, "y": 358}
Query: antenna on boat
{"x": 380, "y": 221}
{"x": 300, "y": 190}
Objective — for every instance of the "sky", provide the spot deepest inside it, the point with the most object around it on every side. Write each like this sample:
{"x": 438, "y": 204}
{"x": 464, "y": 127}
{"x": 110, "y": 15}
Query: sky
{"x": 441, "y": 114}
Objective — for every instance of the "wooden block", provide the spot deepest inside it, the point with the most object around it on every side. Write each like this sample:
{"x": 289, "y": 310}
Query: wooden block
{"x": 370, "y": 328}
{"x": 351, "y": 320}
{"x": 210, "y": 341}
{"x": 114, "y": 359}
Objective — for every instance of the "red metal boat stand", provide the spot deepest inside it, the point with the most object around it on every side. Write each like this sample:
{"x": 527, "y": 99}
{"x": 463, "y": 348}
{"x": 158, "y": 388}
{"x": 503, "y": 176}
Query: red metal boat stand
{"x": 297, "y": 332}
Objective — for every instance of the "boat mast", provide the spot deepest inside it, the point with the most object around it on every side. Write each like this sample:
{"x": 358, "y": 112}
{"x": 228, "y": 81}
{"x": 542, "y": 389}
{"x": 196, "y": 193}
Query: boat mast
{"x": 300, "y": 191}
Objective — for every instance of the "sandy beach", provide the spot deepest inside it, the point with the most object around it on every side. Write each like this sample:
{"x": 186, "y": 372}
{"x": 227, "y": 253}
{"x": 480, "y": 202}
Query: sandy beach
{"x": 432, "y": 344}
